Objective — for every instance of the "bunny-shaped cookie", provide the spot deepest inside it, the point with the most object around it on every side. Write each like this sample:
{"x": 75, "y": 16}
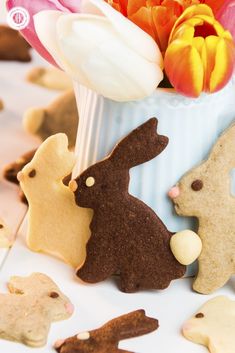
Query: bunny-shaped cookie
{"x": 107, "y": 338}
{"x": 27, "y": 312}
{"x": 13, "y": 46}
{"x": 205, "y": 193}
{"x": 127, "y": 236}
{"x": 56, "y": 225}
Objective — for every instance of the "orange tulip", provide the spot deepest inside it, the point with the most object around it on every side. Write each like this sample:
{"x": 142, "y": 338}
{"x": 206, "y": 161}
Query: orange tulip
{"x": 201, "y": 53}
{"x": 157, "y": 17}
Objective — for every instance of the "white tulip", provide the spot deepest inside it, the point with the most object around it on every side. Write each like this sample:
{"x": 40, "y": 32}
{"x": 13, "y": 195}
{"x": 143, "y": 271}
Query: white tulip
{"x": 103, "y": 51}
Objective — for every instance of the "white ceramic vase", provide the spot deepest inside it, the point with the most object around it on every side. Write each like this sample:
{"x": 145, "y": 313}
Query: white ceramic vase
{"x": 192, "y": 126}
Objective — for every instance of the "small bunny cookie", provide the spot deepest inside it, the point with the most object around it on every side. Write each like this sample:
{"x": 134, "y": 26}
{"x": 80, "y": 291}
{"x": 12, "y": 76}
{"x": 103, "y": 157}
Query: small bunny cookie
{"x": 27, "y": 312}
{"x": 56, "y": 225}
{"x": 213, "y": 326}
{"x": 13, "y": 46}
{"x": 205, "y": 193}
{"x": 1, "y": 105}
{"x": 60, "y": 116}
{"x": 11, "y": 170}
{"x": 50, "y": 77}
{"x": 127, "y": 236}
{"x": 106, "y": 339}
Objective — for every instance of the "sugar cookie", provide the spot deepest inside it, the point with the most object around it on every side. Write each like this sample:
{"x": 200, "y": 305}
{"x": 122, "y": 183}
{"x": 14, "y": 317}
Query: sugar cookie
{"x": 50, "y": 77}
{"x": 27, "y": 312}
{"x": 56, "y": 225}
{"x": 213, "y": 326}
{"x": 60, "y": 116}
{"x": 205, "y": 193}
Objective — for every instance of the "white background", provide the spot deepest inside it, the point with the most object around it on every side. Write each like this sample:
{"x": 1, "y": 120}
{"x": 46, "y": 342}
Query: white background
{"x": 94, "y": 304}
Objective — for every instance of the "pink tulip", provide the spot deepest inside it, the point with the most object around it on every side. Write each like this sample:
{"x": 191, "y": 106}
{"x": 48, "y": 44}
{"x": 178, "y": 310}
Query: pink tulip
{"x": 226, "y": 16}
{"x": 35, "y": 6}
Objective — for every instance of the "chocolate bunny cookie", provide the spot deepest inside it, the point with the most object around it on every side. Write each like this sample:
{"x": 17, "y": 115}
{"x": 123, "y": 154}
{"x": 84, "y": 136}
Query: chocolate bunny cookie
{"x": 127, "y": 236}
{"x": 13, "y": 47}
{"x": 106, "y": 339}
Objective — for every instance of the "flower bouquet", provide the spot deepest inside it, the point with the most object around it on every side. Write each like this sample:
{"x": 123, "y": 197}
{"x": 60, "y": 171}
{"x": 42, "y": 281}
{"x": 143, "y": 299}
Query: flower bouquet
{"x": 134, "y": 59}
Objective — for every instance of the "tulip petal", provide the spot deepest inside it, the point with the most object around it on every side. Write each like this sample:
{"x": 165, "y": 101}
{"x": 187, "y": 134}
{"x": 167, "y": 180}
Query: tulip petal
{"x": 184, "y": 68}
{"x": 45, "y": 29}
{"x": 33, "y": 7}
{"x": 108, "y": 63}
{"x": 224, "y": 65}
{"x": 132, "y": 34}
{"x": 189, "y": 14}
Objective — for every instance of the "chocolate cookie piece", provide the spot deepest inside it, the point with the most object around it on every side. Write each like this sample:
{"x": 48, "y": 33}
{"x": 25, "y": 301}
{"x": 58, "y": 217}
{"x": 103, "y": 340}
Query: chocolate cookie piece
{"x": 127, "y": 236}
{"x": 13, "y": 47}
{"x": 11, "y": 170}
{"x": 107, "y": 338}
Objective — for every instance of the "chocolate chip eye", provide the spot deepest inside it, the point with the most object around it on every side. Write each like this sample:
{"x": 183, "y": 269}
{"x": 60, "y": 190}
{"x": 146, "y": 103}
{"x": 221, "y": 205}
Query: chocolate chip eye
{"x": 54, "y": 295}
{"x": 199, "y": 316}
{"x": 90, "y": 182}
{"x": 1, "y": 226}
{"x": 32, "y": 173}
{"x": 197, "y": 185}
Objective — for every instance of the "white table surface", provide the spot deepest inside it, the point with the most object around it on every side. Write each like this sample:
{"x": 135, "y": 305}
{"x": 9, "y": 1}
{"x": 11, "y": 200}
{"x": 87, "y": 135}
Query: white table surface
{"x": 95, "y": 304}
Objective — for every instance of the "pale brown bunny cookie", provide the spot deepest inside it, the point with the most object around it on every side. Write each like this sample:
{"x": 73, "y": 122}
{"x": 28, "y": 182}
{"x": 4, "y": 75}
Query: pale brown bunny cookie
{"x": 213, "y": 326}
{"x": 27, "y": 312}
{"x": 56, "y": 225}
{"x": 60, "y": 116}
{"x": 107, "y": 338}
{"x": 50, "y": 77}
{"x": 205, "y": 193}
{"x": 13, "y": 46}
{"x": 127, "y": 236}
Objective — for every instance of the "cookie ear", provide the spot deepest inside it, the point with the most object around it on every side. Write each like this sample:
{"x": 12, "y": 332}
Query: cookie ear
{"x": 131, "y": 325}
{"x": 223, "y": 152}
{"x": 141, "y": 145}
{"x": 33, "y": 120}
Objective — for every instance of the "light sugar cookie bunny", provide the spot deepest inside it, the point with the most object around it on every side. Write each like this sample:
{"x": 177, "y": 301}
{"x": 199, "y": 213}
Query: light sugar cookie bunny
{"x": 27, "y": 312}
{"x": 205, "y": 193}
{"x": 60, "y": 116}
{"x": 49, "y": 77}
{"x": 56, "y": 225}
{"x": 213, "y": 326}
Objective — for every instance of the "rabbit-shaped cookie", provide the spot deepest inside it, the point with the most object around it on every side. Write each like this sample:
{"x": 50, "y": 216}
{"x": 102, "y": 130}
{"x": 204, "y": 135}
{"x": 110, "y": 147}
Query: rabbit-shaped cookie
{"x": 107, "y": 338}
{"x": 127, "y": 236}
{"x": 60, "y": 116}
{"x": 205, "y": 193}
{"x": 56, "y": 225}
{"x": 13, "y": 46}
{"x": 27, "y": 312}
